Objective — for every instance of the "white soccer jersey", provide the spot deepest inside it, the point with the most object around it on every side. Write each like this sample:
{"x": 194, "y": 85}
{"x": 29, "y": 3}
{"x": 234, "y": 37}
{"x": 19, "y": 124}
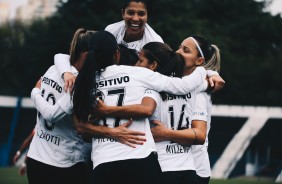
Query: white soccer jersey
{"x": 118, "y": 30}
{"x": 125, "y": 85}
{"x": 175, "y": 114}
{"x": 56, "y": 141}
{"x": 202, "y": 111}
{"x": 62, "y": 63}
{"x": 157, "y": 97}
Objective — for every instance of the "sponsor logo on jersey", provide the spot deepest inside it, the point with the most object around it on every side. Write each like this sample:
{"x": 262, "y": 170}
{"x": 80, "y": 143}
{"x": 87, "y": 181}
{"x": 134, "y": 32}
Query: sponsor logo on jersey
{"x": 199, "y": 113}
{"x": 53, "y": 84}
{"x": 173, "y": 97}
{"x": 112, "y": 82}
{"x": 177, "y": 149}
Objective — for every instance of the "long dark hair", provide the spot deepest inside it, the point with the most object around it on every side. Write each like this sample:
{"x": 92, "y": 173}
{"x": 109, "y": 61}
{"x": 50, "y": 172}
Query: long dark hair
{"x": 169, "y": 62}
{"x": 102, "y": 49}
{"x": 127, "y": 56}
{"x": 148, "y": 4}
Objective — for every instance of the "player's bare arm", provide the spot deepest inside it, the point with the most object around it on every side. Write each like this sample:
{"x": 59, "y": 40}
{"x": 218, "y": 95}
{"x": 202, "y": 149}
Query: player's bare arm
{"x": 190, "y": 136}
{"x": 145, "y": 109}
{"x": 121, "y": 133}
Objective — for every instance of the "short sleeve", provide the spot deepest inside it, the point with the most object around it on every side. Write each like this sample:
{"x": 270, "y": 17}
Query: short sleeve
{"x": 156, "y": 96}
{"x": 152, "y": 94}
{"x": 200, "y": 110}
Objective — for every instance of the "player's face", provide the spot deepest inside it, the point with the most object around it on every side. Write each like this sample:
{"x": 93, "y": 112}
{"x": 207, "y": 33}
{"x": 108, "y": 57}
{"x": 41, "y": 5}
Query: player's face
{"x": 143, "y": 61}
{"x": 135, "y": 16}
{"x": 188, "y": 50}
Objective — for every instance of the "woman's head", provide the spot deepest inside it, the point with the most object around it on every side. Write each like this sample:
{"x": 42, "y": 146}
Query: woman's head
{"x": 80, "y": 46}
{"x": 103, "y": 52}
{"x": 135, "y": 15}
{"x": 197, "y": 51}
{"x": 160, "y": 57}
{"x": 127, "y": 56}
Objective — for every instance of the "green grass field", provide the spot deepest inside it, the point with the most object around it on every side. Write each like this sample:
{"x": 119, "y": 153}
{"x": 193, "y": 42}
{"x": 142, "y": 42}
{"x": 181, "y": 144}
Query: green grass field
{"x": 11, "y": 176}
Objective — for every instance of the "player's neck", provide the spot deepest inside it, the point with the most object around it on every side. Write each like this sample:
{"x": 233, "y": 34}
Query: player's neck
{"x": 188, "y": 71}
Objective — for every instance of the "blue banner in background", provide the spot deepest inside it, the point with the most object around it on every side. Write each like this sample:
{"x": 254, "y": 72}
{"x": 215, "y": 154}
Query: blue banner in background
{"x": 6, "y": 148}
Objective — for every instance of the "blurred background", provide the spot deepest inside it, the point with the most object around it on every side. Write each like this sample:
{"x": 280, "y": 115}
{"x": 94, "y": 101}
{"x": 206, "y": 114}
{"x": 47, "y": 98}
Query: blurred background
{"x": 247, "y": 113}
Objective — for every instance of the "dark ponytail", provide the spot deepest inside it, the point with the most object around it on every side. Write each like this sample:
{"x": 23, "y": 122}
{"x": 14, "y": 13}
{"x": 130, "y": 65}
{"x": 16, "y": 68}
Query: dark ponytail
{"x": 169, "y": 63}
{"x": 103, "y": 48}
{"x": 83, "y": 88}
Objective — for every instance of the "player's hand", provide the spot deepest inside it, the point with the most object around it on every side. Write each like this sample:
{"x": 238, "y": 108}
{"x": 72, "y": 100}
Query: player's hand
{"x": 69, "y": 79}
{"x": 128, "y": 137}
{"x": 16, "y": 157}
{"x": 216, "y": 83}
{"x": 38, "y": 84}
{"x": 22, "y": 169}
{"x": 159, "y": 131}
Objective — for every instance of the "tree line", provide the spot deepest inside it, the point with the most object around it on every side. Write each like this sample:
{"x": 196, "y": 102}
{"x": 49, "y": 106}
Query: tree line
{"x": 250, "y": 41}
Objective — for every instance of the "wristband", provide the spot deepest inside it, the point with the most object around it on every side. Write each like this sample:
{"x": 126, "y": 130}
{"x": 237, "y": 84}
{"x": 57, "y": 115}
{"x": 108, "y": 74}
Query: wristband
{"x": 18, "y": 153}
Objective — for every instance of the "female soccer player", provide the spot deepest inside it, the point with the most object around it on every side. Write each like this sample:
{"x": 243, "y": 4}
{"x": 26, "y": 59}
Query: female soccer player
{"x": 55, "y": 152}
{"x": 57, "y": 149}
{"x": 203, "y": 103}
{"x": 133, "y": 31}
{"x": 122, "y": 85}
{"x": 173, "y": 137}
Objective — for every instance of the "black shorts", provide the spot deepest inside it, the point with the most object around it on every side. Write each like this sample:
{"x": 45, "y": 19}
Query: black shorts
{"x": 202, "y": 180}
{"x": 138, "y": 171}
{"x": 179, "y": 177}
{"x": 38, "y": 172}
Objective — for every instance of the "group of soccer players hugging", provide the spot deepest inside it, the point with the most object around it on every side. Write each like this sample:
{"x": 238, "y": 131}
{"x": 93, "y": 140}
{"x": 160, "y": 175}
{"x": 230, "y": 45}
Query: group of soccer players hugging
{"x": 123, "y": 107}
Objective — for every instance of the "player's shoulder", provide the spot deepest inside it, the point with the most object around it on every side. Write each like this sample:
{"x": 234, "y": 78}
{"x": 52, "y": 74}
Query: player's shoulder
{"x": 114, "y": 27}
{"x": 53, "y": 73}
{"x": 151, "y": 91}
{"x": 131, "y": 69}
{"x": 203, "y": 97}
{"x": 51, "y": 69}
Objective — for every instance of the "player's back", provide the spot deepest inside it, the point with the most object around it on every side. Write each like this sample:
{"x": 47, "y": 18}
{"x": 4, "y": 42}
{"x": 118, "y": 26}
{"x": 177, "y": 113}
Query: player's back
{"x": 122, "y": 85}
{"x": 175, "y": 115}
{"x": 55, "y": 143}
